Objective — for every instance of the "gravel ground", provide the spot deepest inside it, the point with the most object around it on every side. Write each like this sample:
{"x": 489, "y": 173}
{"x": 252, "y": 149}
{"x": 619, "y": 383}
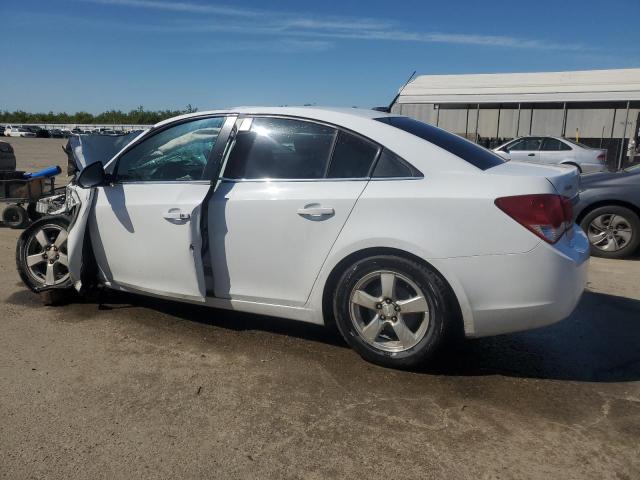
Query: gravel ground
{"x": 127, "y": 387}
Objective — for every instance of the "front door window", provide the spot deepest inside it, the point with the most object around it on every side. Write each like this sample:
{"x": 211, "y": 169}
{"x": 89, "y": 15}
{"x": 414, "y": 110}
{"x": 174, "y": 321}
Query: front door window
{"x": 179, "y": 153}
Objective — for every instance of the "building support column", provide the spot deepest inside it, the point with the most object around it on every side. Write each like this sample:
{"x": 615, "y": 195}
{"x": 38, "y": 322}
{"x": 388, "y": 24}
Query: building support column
{"x": 624, "y": 136}
{"x": 466, "y": 125}
{"x": 518, "y": 122}
{"x": 477, "y": 121}
{"x": 564, "y": 120}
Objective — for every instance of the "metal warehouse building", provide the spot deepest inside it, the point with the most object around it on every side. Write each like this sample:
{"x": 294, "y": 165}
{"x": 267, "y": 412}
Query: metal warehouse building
{"x": 600, "y": 108}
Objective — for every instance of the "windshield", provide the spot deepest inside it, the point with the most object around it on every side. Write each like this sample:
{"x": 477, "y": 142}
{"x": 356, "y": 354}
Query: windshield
{"x": 468, "y": 151}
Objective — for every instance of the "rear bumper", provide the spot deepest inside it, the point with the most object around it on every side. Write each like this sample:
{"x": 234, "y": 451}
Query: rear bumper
{"x": 510, "y": 293}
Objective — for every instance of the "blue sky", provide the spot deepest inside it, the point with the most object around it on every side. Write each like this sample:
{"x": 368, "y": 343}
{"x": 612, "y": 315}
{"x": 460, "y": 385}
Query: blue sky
{"x": 94, "y": 55}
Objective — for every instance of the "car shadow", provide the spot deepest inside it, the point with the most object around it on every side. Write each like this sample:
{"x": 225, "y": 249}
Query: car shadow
{"x": 229, "y": 319}
{"x": 599, "y": 342}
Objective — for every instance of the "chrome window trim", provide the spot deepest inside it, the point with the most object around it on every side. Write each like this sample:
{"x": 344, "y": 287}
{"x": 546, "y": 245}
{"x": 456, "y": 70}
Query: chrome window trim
{"x": 163, "y": 182}
{"x": 283, "y": 180}
{"x": 337, "y": 128}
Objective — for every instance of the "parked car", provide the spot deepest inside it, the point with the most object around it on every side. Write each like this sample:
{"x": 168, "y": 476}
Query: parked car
{"x": 7, "y": 157}
{"x": 401, "y": 232}
{"x": 554, "y": 150}
{"x": 10, "y": 131}
{"x": 609, "y": 212}
{"x": 57, "y": 133}
{"x": 39, "y": 132}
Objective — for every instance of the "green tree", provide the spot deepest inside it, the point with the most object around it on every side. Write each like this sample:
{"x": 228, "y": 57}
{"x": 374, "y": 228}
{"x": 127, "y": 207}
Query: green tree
{"x": 139, "y": 116}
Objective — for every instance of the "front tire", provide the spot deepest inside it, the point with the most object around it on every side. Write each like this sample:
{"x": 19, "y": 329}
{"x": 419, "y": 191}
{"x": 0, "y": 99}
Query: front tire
{"x": 393, "y": 311}
{"x": 613, "y": 231}
{"x": 41, "y": 255}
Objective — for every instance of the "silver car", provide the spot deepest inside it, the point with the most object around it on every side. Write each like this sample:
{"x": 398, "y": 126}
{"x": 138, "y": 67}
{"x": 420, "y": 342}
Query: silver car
{"x": 555, "y": 150}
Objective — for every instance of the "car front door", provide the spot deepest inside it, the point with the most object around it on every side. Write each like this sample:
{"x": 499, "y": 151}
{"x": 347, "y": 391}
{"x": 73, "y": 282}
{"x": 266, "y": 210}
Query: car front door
{"x": 145, "y": 225}
{"x": 526, "y": 149}
{"x": 288, "y": 188}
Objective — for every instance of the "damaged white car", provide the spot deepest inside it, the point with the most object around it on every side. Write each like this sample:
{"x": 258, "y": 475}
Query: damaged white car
{"x": 399, "y": 231}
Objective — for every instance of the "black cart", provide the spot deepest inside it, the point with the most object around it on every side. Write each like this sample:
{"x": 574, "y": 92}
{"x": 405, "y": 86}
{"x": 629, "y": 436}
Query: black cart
{"x": 21, "y": 196}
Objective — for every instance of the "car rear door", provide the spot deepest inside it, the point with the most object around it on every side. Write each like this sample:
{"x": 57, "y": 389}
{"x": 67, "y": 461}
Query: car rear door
{"x": 288, "y": 187}
{"x": 526, "y": 150}
{"x": 146, "y": 225}
{"x": 555, "y": 151}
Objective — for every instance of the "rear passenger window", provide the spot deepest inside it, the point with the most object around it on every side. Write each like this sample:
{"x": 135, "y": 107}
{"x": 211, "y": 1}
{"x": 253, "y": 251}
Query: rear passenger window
{"x": 280, "y": 148}
{"x": 554, "y": 145}
{"x": 526, "y": 145}
{"x": 353, "y": 157}
{"x": 391, "y": 165}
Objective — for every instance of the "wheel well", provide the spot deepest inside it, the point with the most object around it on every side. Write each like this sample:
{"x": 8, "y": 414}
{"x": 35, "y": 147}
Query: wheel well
{"x": 574, "y": 164}
{"x": 342, "y": 265}
{"x": 605, "y": 203}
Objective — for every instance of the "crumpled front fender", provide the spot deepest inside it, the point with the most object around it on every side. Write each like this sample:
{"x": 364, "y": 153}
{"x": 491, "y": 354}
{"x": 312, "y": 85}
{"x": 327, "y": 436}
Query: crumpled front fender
{"x": 81, "y": 200}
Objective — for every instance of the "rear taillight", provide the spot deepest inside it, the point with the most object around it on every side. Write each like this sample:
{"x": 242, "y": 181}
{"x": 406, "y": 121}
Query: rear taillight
{"x": 546, "y": 215}
{"x": 602, "y": 157}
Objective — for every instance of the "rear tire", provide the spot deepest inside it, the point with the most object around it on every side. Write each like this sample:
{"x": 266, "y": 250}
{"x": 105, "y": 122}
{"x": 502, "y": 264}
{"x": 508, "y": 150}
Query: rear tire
{"x": 15, "y": 216}
{"x": 400, "y": 326}
{"x": 613, "y": 231}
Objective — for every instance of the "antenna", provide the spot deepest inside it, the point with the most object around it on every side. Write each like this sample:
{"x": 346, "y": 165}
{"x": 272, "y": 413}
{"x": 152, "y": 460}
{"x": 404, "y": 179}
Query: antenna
{"x": 388, "y": 109}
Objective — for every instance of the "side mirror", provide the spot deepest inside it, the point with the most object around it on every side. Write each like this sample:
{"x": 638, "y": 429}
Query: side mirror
{"x": 92, "y": 176}
{"x": 505, "y": 149}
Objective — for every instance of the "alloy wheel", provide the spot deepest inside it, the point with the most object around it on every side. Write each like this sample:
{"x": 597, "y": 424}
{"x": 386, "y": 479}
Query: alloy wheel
{"x": 610, "y": 232}
{"x": 46, "y": 255}
{"x": 389, "y": 311}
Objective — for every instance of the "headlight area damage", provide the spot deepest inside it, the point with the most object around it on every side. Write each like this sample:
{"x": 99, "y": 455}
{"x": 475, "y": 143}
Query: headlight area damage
{"x": 49, "y": 254}
{"x": 52, "y": 253}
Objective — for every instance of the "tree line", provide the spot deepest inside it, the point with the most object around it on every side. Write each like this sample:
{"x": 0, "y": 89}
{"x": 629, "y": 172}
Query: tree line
{"x": 139, "y": 116}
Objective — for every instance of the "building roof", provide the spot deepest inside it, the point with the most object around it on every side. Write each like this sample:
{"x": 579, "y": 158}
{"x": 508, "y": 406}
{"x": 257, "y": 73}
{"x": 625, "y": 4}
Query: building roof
{"x": 578, "y": 86}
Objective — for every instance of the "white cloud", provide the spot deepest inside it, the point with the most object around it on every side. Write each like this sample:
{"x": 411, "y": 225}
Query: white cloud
{"x": 285, "y": 45}
{"x": 289, "y": 24}
{"x": 185, "y": 7}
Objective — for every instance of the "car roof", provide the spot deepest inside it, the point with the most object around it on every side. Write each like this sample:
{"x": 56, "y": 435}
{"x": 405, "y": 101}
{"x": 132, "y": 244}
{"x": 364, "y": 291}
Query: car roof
{"x": 329, "y": 114}
{"x": 424, "y": 155}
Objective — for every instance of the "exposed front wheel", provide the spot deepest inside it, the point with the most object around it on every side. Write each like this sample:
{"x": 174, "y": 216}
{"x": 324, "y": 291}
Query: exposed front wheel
{"x": 41, "y": 254}
{"x": 613, "y": 231}
{"x": 393, "y": 311}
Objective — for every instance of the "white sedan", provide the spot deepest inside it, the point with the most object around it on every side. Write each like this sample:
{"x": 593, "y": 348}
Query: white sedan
{"x": 396, "y": 230}
{"x": 554, "y": 151}
{"x": 10, "y": 131}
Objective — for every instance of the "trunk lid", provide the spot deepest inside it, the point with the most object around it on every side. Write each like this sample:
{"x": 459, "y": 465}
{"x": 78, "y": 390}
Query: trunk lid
{"x": 564, "y": 178}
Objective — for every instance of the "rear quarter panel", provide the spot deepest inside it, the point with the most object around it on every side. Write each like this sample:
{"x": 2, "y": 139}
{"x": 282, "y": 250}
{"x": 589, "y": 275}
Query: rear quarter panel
{"x": 435, "y": 218}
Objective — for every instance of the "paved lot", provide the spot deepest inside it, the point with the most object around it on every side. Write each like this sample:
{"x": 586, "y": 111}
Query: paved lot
{"x": 133, "y": 388}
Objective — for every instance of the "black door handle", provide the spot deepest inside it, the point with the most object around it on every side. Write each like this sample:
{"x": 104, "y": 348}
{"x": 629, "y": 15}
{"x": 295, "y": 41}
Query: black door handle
{"x": 531, "y": 155}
